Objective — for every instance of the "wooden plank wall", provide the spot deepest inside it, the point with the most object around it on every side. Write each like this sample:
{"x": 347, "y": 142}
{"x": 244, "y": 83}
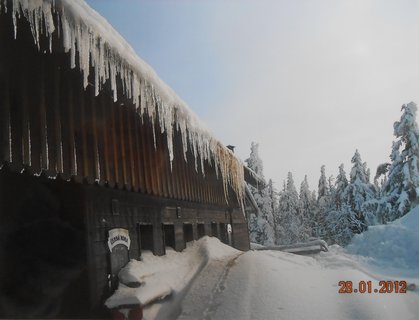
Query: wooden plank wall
{"x": 51, "y": 125}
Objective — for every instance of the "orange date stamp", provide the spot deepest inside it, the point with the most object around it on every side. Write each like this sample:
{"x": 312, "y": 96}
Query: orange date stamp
{"x": 371, "y": 287}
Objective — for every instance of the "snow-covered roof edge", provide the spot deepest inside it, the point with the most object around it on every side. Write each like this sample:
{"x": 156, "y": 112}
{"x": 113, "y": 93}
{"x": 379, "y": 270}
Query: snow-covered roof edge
{"x": 99, "y": 45}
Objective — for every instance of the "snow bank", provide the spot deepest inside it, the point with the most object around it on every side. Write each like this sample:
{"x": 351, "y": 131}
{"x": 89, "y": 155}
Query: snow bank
{"x": 210, "y": 280}
{"x": 394, "y": 247}
{"x": 81, "y": 29}
{"x": 280, "y": 285}
{"x": 159, "y": 276}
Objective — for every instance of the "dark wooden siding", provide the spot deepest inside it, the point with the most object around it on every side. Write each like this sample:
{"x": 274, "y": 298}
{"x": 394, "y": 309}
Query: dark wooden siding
{"x": 104, "y": 166}
{"x": 50, "y": 124}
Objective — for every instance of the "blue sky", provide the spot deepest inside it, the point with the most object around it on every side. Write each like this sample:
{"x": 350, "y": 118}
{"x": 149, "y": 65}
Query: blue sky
{"x": 174, "y": 37}
{"x": 310, "y": 80}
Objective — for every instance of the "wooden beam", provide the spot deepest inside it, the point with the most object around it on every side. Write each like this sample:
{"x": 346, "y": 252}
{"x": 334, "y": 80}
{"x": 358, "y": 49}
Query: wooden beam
{"x": 79, "y": 132}
{"x": 145, "y": 154}
{"x": 67, "y": 124}
{"x": 132, "y": 146}
{"x": 115, "y": 148}
{"x": 53, "y": 117}
{"x": 100, "y": 138}
{"x": 139, "y": 156}
{"x": 5, "y": 68}
{"x": 108, "y": 139}
{"x": 5, "y": 147}
{"x": 42, "y": 114}
{"x": 122, "y": 147}
{"x": 93, "y": 135}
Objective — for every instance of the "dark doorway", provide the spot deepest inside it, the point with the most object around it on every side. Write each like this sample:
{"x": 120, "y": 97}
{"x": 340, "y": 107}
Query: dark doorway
{"x": 214, "y": 230}
{"x": 169, "y": 235}
{"x": 187, "y": 232}
{"x": 146, "y": 237}
{"x": 201, "y": 230}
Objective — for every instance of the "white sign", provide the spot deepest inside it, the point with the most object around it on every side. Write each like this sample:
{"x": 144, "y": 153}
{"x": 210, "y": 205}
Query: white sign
{"x": 229, "y": 229}
{"x": 118, "y": 236}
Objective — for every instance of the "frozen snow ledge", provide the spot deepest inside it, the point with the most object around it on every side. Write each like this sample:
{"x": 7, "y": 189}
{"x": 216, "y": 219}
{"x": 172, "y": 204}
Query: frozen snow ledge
{"x": 170, "y": 275}
{"x": 309, "y": 247}
{"x": 81, "y": 29}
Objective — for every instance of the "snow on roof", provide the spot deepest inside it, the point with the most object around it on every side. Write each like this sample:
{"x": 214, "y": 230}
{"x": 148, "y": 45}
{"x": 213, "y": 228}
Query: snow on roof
{"x": 99, "y": 45}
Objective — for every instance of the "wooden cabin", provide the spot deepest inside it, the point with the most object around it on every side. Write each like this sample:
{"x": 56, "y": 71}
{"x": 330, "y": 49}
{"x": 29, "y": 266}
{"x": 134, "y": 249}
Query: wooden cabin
{"x": 91, "y": 141}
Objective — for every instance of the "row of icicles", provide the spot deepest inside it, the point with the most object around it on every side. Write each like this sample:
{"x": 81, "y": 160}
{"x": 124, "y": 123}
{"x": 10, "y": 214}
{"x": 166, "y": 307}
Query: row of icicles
{"x": 115, "y": 58}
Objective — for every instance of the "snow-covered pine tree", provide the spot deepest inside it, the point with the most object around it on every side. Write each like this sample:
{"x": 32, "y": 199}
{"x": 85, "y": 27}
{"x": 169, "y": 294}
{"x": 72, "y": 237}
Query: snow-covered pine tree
{"x": 332, "y": 192}
{"x": 340, "y": 219}
{"x": 358, "y": 191}
{"x": 254, "y": 161}
{"x": 280, "y": 233}
{"x": 340, "y": 185}
{"x": 289, "y": 209}
{"x": 402, "y": 186}
{"x": 261, "y": 227}
{"x": 323, "y": 204}
{"x": 272, "y": 193}
{"x": 341, "y": 224}
{"x": 307, "y": 210}
{"x": 378, "y": 208}
{"x": 323, "y": 186}
{"x": 381, "y": 172}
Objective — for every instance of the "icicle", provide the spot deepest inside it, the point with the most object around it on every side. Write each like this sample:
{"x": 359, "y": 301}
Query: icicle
{"x": 3, "y": 4}
{"x": 15, "y": 15}
{"x": 67, "y": 41}
{"x": 112, "y": 75}
{"x": 58, "y": 25}
{"x": 73, "y": 49}
{"x": 96, "y": 61}
{"x": 99, "y": 46}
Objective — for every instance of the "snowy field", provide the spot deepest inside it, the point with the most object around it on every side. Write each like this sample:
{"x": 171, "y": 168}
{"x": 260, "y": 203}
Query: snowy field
{"x": 210, "y": 280}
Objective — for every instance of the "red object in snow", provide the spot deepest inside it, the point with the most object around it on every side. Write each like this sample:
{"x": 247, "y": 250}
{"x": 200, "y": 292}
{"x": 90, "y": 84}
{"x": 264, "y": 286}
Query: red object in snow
{"x": 136, "y": 313}
{"x": 117, "y": 315}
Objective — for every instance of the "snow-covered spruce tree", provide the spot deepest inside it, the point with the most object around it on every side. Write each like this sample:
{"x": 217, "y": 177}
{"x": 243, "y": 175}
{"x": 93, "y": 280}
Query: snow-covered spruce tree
{"x": 340, "y": 185}
{"x": 254, "y": 162}
{"x": 265, "y": 199}
{"x": 323, "y": 185}
{"x": 307, "y": 210}
{"x": 261, "y": 227}
{"x": 332, "y": 192}
{"x": 272, "y": 194}
{"x": 378, "y": 208}
{"x": 292, "y": 221}
{"x": 358, "y": 191}
{"x": 402, "y": 186}
{"x": 280, "y": 233}
{"x": 324, "y": 204}
{"x": 341, "y": 224}
{"x": 382, "y": 171}
{"x": 340, "y": 218}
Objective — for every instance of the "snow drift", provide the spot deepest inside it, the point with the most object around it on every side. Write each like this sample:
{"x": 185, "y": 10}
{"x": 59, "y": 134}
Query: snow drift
{"x": 159, "y": 276}
{"x": 210, "y": 280}
{"x": 394, "y": 246}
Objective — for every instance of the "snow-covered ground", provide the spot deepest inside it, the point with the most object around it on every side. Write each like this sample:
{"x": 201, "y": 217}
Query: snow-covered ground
{"x": 213, "y": 281}
{"x": 392, "y": 249}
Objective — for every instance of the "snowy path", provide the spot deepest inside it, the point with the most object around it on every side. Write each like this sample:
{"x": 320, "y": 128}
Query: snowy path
{"x": 202, "y": 300}
{"x": 212, "y": 281}
{"x": 278, "y": 285}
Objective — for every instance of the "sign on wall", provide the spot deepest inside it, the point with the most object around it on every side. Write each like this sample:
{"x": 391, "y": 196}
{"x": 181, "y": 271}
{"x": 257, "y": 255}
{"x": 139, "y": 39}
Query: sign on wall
{"x": 118, "y": 236}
